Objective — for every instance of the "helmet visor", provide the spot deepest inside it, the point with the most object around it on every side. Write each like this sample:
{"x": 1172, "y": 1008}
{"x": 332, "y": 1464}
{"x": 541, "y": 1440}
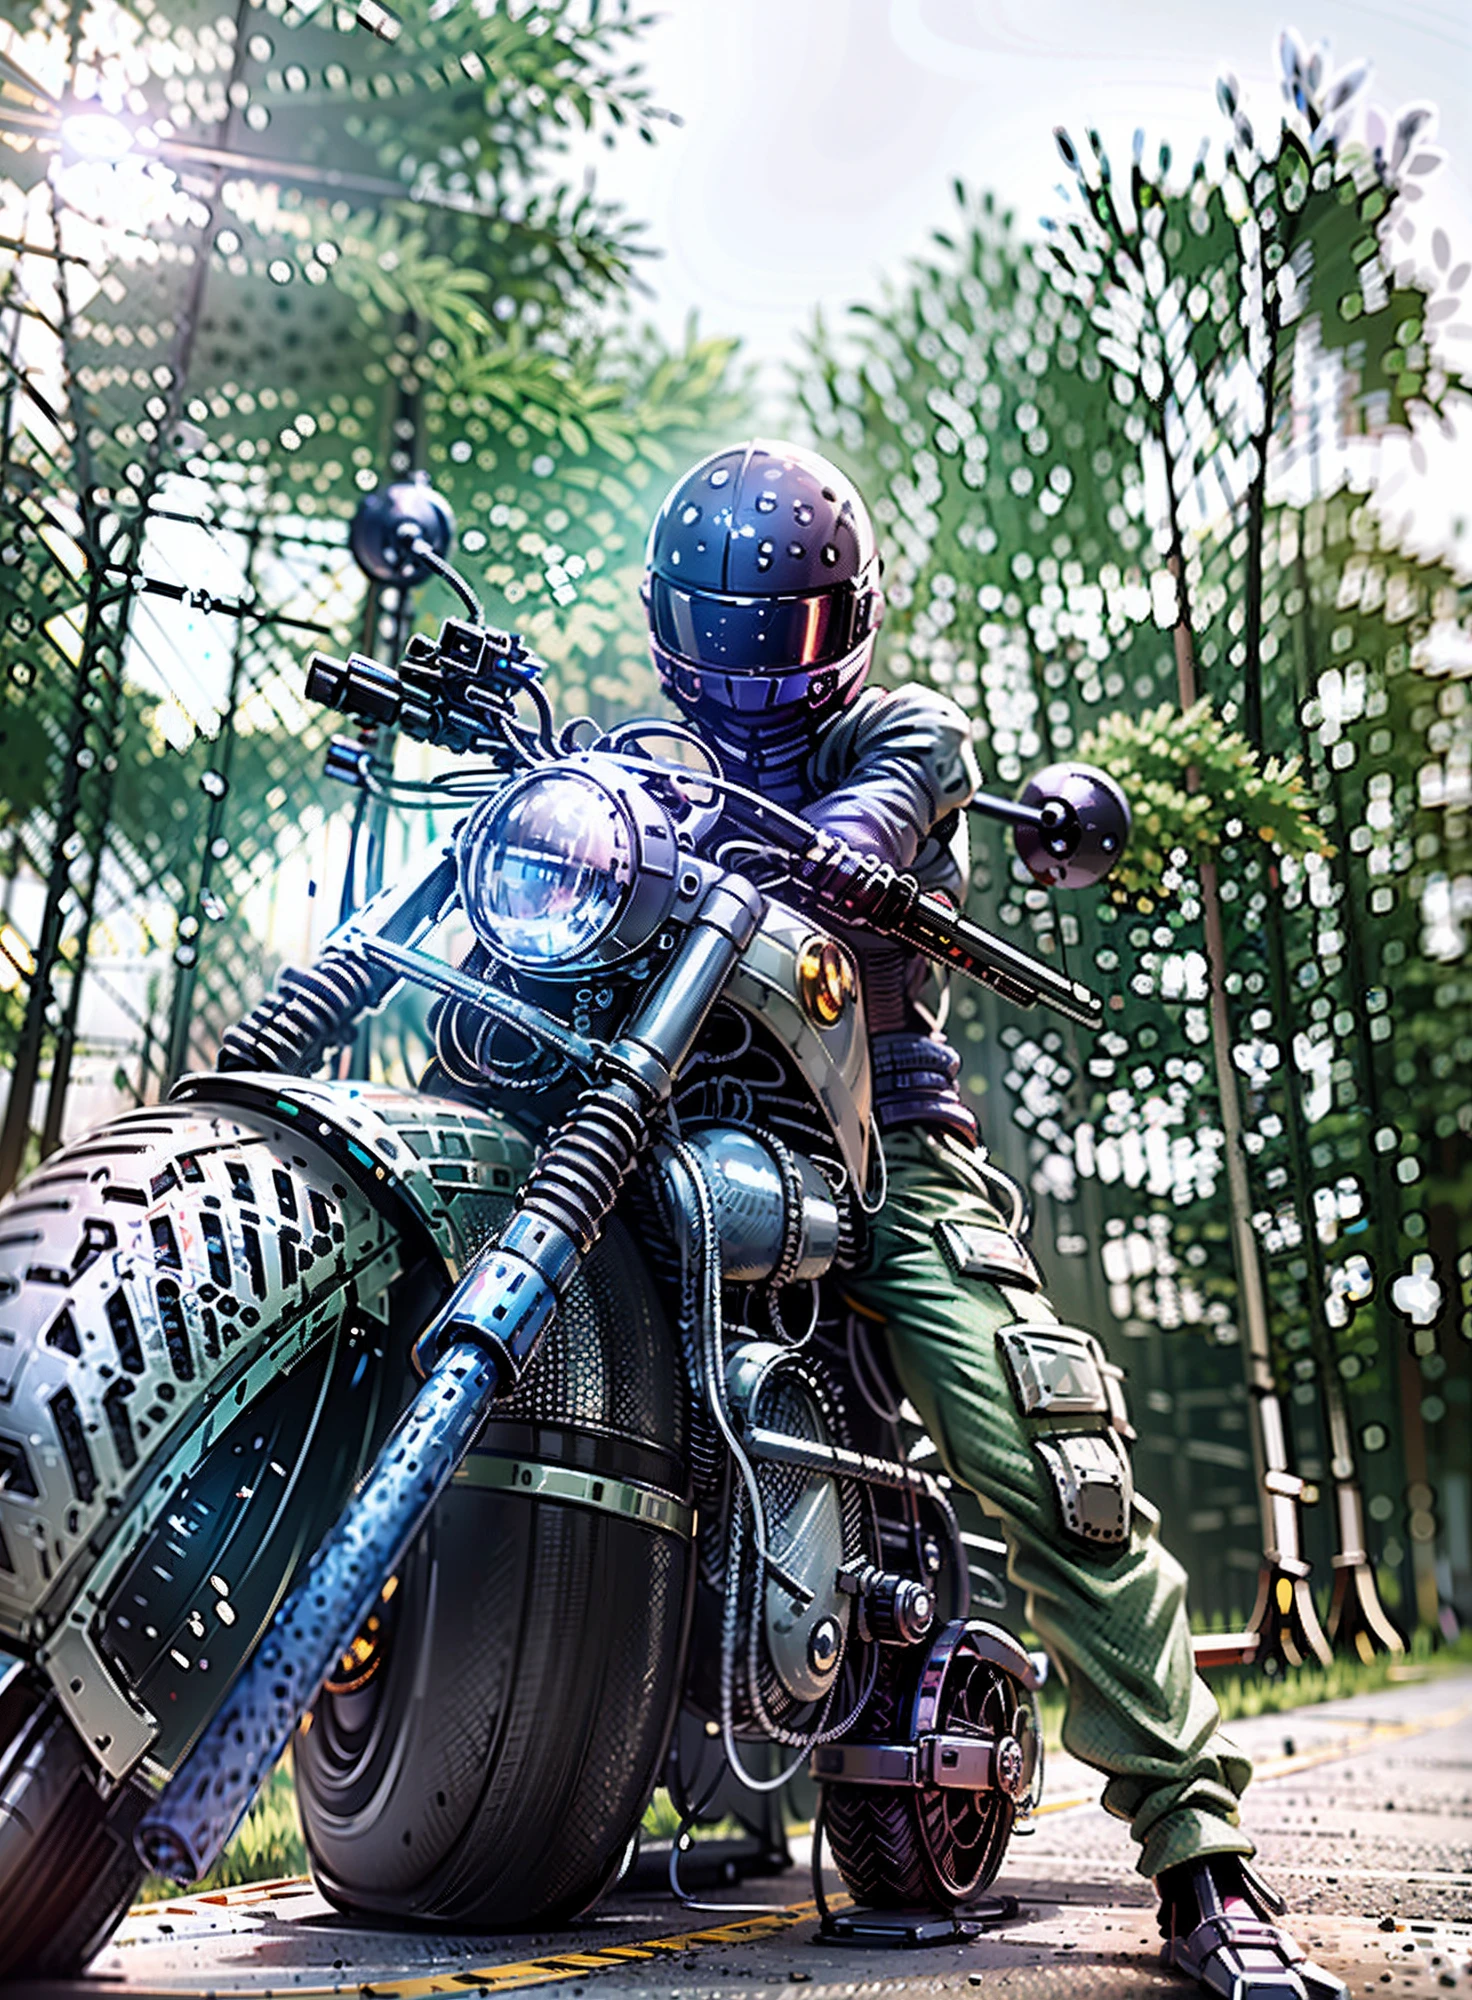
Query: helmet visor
{"x": 758, "y": 634}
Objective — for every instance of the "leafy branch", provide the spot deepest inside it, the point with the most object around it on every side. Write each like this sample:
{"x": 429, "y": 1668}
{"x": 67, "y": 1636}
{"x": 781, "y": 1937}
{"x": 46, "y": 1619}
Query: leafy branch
{"x": 1193, "y": 785}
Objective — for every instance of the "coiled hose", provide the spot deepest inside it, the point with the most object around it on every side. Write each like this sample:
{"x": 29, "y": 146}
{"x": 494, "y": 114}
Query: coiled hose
{"x": 585, "y": 1162}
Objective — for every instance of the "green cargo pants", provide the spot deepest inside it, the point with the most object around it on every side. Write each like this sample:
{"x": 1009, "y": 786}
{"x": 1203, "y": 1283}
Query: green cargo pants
{"x": 1113, "y": 1619}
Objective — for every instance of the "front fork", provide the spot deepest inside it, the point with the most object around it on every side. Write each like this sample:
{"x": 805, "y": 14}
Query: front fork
{"x": 475, "y": 1349}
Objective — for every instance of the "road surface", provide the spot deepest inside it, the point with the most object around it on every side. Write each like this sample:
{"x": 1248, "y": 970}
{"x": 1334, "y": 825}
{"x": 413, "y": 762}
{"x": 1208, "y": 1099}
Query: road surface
{"x": 1362, "y": 1810}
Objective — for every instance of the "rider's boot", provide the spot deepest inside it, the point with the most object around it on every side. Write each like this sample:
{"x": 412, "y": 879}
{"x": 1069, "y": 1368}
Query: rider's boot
{"x": 1218, "y": 1919}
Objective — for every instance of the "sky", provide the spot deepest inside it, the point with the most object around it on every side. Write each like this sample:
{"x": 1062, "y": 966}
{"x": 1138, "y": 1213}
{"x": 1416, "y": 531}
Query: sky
{"x": 821, "y": 138}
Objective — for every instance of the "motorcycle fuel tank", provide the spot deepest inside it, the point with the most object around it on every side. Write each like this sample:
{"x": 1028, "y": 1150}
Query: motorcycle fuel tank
{"x": 833, "y": 1058}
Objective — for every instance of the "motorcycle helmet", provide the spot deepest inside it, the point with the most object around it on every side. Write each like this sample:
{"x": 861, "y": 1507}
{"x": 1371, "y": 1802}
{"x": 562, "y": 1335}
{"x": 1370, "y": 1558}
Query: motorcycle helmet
{"x": 762, "y": 588}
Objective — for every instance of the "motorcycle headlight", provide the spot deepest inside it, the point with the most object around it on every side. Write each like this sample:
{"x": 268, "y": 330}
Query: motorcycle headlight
{"x": 558, "y": 875}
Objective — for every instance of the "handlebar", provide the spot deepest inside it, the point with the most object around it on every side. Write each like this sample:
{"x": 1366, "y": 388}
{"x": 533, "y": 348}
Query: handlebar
{"x": 857, "y": 887}
{"x": 457, "y": 691}
{"x": 878, "y": 896}
{"x": 356, "y": 686}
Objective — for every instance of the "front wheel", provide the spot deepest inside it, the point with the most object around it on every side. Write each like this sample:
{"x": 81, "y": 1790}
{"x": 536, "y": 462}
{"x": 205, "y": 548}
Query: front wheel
{"x": 67, "y": 1867}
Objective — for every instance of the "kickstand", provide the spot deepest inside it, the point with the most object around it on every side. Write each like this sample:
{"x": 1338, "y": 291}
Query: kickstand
{"x": 901, "y": 1929}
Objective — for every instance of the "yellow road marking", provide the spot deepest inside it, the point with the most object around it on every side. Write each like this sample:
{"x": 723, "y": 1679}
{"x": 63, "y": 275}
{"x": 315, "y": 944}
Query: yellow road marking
{"x": 568, "y": 1964}
{"x": 497, "y": 1978}
{"x": 556, "y": 1966}
{"x": 1378, "y": 1732}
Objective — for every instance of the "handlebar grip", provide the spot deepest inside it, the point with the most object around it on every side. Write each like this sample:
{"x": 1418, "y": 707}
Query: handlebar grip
{"x": 856, "y": 885}
{"x": 356, "y": 686}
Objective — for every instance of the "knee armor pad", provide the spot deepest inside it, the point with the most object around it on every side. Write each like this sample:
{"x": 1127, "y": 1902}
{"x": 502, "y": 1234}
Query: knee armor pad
{"x": 1095, "y": 1487}
{"x": 1059, "y": 1372}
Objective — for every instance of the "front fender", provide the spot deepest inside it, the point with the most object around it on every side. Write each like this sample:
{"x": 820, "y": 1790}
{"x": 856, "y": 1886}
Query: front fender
{"x": 159, "y": 1279}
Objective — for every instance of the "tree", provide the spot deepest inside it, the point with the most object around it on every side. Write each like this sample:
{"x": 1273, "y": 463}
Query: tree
{"x": 256, "y": 263}
{"x": 1157, "y": 356}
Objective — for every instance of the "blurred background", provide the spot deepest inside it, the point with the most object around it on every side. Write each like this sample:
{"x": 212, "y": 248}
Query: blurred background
{"x": 819, "y": 146}
{"x": 1161, "y": 436}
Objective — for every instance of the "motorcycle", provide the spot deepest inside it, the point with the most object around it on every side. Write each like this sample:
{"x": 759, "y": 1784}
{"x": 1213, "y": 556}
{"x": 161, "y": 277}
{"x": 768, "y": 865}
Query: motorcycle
{"x": 471, "y": 1438}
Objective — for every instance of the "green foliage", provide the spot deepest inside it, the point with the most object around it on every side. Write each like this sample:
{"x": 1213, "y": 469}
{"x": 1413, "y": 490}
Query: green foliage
{"x": 329, "y": 258}
{"x": 1188, "y": 285}
{"x": 969, "y": 402}
{"x": 398, "y": 277}
{"x": 1076, "y": 456}
{"x": 1193, "y": 785}
{"x": 11, "y": 1003}
{"x": 268, "y": 1846}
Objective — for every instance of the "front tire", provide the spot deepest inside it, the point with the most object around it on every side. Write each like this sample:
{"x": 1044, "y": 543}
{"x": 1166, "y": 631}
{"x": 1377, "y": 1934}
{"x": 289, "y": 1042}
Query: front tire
{"x": 68, "y": 1872}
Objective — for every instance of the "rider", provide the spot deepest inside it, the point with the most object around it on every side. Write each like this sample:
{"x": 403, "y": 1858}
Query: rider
{"x": 763, "y": 596}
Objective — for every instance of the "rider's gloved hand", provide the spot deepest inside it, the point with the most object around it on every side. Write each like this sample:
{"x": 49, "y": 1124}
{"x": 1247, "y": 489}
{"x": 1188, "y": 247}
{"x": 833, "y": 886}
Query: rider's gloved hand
{"x": 841, "y": 877}
{"x": 853, "y": 886}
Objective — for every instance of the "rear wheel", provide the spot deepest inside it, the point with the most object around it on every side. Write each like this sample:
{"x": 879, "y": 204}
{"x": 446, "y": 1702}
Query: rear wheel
{"x": 935, "y": 1845}
{"x": 67, "y": 1867}
{"x": 487, "y": 1749}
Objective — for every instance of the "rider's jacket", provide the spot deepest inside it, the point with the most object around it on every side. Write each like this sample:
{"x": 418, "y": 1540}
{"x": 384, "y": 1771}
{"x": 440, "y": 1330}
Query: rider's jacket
{"x": 890, "y": 774}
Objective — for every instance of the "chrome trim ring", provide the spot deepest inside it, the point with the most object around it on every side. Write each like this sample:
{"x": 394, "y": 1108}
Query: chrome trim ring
{"x": 500, "y": 1472}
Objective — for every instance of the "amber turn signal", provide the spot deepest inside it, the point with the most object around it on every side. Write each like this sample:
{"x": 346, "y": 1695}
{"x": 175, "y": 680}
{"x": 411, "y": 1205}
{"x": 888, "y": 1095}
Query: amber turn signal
{"x": 825, "y": 977}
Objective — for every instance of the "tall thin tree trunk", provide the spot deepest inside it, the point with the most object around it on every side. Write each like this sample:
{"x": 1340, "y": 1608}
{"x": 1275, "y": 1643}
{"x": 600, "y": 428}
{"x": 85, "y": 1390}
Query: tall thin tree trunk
{"x": 1284, "y": 1619}
{"x": 186, "y": 968}
{"x": 1358, "y": 1622}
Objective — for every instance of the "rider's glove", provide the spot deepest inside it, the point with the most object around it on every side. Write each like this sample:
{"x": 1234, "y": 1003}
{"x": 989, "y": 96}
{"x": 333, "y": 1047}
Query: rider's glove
{"x": 856, "y": 887}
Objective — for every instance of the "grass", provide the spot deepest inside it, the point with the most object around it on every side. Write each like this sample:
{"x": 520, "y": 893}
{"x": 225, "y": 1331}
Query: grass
{"x": 269, "y": 1844}
{"x": 1244, "y": 1691}
{"x": 1240, "y": 1691}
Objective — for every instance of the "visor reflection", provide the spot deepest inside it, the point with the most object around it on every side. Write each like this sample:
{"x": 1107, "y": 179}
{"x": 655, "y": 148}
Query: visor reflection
{"x": 746, "y": 634}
